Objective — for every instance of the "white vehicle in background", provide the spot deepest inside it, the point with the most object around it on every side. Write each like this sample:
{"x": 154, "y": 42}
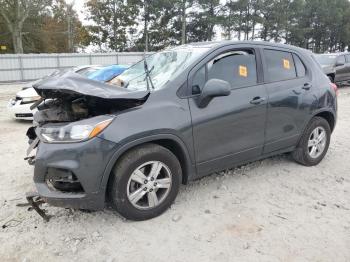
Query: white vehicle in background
{"x": 19, "y": 107}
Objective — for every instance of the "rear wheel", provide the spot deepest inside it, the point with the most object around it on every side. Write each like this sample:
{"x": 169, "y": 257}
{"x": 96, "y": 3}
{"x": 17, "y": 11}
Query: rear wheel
{"x": 145, "y": 182}
{"x": 314, "y": 143}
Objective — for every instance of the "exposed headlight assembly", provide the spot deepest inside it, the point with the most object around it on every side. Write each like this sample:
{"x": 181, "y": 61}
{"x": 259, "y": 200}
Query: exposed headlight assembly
{"x": 74, "y": 132}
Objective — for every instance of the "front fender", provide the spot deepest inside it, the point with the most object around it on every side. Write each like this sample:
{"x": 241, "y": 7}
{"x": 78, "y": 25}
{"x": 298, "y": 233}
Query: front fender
{"x": 131, "y": 143}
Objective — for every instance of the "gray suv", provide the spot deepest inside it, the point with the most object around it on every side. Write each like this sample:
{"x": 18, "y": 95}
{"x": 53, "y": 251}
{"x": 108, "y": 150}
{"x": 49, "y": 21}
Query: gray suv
{"x": 336, "y": 67}
{"x": 177, "y": 116}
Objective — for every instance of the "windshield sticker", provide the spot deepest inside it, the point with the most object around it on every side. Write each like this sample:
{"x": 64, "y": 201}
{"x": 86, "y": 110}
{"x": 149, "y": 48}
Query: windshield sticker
{"x": 243, "y": 71}
{"x": 286, "y": 64}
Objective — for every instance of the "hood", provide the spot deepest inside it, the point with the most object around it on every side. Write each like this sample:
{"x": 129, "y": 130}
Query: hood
{"x": 74, "y": 85}
{"x": 28, "y": 92}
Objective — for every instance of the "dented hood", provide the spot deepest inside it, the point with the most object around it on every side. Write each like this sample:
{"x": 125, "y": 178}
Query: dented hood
{"x": 73, "y": 84}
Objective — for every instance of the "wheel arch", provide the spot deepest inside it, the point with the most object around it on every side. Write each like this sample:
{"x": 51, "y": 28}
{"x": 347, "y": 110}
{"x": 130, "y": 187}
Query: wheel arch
{"x": 169, "y": 141}
{"x": 326, "y": 114}
{"x": 329, "y": 116}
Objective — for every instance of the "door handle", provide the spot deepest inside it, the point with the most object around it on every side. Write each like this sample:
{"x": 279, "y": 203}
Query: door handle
{"x": 307, "y": 86}
{"x": 257, "y": 100}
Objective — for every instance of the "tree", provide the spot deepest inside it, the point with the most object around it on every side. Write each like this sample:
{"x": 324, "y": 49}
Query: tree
{"x": 61, "y": 30}
{"x": 112, "y": 18}
{"x": 15, "y": 13}
{"x": 202, "y": 22}
{"x": 241, "y": 16}
{"x": 5, "y": 37}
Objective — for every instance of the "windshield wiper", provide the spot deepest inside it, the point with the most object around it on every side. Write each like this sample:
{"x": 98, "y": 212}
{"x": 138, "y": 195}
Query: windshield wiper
{"x": 148, "y": 74}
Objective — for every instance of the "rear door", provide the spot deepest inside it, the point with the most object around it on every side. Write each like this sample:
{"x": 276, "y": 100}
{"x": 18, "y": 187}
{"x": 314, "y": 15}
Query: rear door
{"x": 229, "y": 129}
{"x": 290, "y": 94}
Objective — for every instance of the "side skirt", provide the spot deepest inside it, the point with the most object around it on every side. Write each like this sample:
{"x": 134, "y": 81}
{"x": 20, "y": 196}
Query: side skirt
{"x": 203, "y": 169}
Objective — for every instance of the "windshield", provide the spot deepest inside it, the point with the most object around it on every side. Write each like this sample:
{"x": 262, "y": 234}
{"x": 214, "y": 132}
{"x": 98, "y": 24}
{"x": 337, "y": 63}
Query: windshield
{"x": 326, "y": 59}
{"x": 162, "y": 66}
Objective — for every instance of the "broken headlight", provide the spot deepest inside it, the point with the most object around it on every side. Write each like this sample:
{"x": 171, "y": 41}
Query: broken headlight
{"x": 74, "y": 132}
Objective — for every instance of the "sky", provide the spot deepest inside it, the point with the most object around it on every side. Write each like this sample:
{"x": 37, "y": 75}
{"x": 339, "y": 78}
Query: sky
{"x": 79, "y": 8}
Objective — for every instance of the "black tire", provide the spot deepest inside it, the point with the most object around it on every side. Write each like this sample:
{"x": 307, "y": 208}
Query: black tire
{"x": 118, "y": 184}
{"x": 301, "y": 152}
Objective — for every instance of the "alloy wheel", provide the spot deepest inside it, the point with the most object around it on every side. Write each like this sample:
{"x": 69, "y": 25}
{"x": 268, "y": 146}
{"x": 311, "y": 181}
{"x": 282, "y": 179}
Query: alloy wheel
{"x": 317, "y": 142}
{"x": 149, "y": 185}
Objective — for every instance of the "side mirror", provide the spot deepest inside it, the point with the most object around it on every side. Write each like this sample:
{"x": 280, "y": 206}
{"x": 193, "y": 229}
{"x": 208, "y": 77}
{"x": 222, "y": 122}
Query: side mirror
{"x": 213, "y": 88}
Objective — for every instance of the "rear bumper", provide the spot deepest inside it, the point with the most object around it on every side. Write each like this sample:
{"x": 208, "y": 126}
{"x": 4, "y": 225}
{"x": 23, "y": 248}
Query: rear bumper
{"x": 85, "y": 161}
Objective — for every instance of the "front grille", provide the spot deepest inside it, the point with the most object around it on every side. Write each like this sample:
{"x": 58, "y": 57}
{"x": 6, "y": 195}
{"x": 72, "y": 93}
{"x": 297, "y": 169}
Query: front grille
{"x": 24, "y": 115}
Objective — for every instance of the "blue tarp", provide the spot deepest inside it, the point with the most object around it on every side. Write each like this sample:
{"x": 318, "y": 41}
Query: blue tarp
{"x": 107, "y": 73}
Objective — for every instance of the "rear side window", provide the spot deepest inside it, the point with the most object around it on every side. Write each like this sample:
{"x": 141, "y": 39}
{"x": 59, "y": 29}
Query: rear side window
{"x": 301, "y": 70}
{"x": 280, "y": 65}
{"x": 236, "y": 67}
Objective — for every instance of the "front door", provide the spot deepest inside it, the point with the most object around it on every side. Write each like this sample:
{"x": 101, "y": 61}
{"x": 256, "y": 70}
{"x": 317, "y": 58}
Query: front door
{"x": 230, "y": 129}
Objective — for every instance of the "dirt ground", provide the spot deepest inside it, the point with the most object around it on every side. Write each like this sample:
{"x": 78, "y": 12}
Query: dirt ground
{"x": 270, "y": 210}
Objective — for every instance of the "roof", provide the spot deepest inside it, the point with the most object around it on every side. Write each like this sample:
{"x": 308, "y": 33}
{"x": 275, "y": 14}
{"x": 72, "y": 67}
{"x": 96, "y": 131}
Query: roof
{"x": 333, "y": 54}
{"x": 212, "y": 44}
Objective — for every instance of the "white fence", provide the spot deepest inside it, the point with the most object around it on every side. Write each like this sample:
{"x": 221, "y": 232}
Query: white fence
{"x": 26, "y": 67}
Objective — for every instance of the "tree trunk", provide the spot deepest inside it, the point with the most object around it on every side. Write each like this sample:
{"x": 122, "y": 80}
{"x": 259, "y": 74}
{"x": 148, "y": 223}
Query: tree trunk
{"x": 183, "y": 20}
{"x": 239, "y": 25}
{"x": 70, "y": 30}
{"x": 17, "y": 41}
{"x": 146, "y": 26}
{"x": 247, "y": 23}
{"x": 254, "y": 23}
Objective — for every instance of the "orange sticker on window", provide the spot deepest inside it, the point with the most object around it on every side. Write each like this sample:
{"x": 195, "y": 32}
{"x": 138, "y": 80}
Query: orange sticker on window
{"x": 286, "y": 64}
{"x": 243, "y": 71}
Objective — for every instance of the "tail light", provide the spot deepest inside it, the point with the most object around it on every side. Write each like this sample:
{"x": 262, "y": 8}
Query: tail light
{"x": 335, "y": 88}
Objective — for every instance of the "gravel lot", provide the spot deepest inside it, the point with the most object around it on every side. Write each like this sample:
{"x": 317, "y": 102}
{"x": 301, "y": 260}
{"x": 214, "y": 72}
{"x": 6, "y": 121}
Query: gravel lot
{"x": 270, "y": 210}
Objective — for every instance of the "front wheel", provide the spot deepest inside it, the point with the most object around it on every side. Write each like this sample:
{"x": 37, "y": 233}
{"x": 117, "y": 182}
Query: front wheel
{"x": 314, "y": 143}
{"x": 145, "y": 182}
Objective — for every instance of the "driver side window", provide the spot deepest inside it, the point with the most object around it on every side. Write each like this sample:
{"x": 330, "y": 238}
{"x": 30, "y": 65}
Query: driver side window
{"x": 238, "y": 68}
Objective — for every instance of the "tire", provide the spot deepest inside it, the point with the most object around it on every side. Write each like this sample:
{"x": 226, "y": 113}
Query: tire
{"x": 302, "y": 152}
{"x": 125, "y": 183}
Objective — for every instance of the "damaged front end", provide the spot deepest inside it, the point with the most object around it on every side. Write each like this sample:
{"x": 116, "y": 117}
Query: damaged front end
{"x": 70, "y": 97}
{"x": 70, "y": 156}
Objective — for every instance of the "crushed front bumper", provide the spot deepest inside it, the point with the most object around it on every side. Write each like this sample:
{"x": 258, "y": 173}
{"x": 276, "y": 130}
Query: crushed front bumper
{"x": 70, "y": 174}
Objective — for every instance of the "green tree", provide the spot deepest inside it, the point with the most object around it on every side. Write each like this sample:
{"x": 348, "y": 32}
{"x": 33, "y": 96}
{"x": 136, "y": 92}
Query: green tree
{"x": 203, "y": 21}
{"x": 112, "y": 18}
{"x": 15, "y": 13}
